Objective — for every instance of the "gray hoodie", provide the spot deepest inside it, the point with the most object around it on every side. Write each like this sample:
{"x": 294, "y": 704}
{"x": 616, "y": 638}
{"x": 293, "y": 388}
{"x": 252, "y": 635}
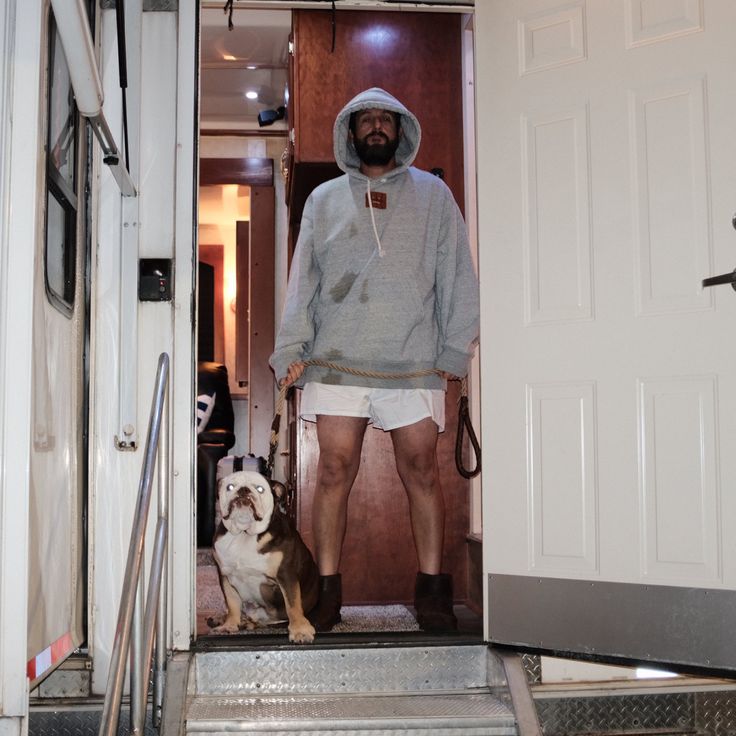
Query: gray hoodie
{"x": 382, "y": 289}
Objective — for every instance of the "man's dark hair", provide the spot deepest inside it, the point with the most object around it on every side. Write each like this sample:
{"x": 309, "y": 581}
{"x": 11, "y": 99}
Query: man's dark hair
{"x": 354, "y": 115}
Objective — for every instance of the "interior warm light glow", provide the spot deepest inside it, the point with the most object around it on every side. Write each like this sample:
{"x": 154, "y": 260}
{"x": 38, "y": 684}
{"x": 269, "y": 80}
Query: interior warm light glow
{"x": 229, "y": 57}
{"x": 229, "y": 285}
{"x": 229, "y": 198}
{"x": 251, "y": 95}
{"x": 243, "y": 202}
{"x": 221, "y": 206}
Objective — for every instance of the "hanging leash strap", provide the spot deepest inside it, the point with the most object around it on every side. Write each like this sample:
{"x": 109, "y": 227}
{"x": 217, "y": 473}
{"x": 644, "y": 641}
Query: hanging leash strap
{"x": 464, "y": 423}
{"x": 273, "y": 441}
{"x": 463, "y": 413}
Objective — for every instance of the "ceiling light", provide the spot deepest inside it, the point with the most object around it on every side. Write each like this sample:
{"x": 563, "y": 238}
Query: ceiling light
{"x": 251, "y": 94}
{"x": 228, "y": 57}
{"x": 251, "y": 67}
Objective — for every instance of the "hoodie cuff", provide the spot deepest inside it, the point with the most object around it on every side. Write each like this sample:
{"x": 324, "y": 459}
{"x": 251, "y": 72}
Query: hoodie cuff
{"x": 281, "y": 362}
{"x": 453, "y": 362}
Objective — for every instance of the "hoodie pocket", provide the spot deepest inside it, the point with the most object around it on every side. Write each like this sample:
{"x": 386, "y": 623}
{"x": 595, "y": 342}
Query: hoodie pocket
{"x": 393, "y": 317}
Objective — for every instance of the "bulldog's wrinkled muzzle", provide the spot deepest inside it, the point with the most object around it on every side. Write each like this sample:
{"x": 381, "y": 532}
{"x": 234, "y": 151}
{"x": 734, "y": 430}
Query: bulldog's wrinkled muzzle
{"x": 246, "y": 502}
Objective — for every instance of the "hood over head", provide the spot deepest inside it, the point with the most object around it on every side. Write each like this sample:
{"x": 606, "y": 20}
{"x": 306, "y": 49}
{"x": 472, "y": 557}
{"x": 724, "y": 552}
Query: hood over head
{"x": 345, "y": 153}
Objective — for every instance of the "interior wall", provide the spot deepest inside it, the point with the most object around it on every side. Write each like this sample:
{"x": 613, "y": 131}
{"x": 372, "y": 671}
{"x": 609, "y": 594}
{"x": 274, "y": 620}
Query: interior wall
{"x": 220, "y": 206}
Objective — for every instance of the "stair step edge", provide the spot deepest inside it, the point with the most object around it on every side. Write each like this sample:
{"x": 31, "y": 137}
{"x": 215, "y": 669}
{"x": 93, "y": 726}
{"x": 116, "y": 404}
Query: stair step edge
{"x": 380, "y": 711}
{"x": 340, "y": 670}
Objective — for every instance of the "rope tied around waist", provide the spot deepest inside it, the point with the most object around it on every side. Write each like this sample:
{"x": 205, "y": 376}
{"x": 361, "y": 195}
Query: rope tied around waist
{"x": 463, "y": 425}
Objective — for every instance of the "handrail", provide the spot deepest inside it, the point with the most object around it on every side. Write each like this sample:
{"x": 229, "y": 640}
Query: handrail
{"x": 157, "y": 444}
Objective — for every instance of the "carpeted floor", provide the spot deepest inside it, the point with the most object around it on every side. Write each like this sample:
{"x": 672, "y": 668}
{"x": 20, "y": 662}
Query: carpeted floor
{"x": 355, "y": 619}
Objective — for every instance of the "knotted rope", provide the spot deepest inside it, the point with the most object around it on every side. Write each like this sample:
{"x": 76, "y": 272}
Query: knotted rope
{"x": 463, "y": 420}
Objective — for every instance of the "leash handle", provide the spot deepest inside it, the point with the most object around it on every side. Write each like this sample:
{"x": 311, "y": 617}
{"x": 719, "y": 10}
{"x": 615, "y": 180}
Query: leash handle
{"x": 464, "y": 423}
{"x": 275, "y": 426}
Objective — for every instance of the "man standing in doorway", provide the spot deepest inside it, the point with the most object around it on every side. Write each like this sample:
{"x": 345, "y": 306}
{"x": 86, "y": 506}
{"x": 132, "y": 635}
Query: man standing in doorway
{"x": 382, "y": 281}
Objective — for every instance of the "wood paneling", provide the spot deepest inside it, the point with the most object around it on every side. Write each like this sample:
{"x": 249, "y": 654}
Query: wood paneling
{"x": 414, "y": 56}
{"x": 255, "y": 172}
{"x": 260, "y": 404}
{"x": 417, "y": 58}
{"x": 214, "y": 256}
{"x": 242, "y": 275}
{"x": 379, "y": 562}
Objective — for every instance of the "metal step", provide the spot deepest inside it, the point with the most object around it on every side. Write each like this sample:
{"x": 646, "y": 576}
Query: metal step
{"x": 422, "y": 691}
{"x": 453, "y": 713}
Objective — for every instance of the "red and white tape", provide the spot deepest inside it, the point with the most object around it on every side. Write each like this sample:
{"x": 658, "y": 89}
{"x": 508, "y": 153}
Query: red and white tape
{"x": 50, "y": 656}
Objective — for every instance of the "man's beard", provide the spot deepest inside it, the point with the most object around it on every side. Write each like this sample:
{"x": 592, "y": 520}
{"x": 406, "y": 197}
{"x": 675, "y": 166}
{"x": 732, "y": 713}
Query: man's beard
{"x": 376, "y": 154}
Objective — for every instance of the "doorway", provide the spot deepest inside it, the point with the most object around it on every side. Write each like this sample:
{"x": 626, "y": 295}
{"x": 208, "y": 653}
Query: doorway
{"x": 253, "y": 58}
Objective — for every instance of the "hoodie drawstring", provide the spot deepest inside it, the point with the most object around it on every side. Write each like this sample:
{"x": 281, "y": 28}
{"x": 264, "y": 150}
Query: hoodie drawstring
{"x": 373, "y": 220}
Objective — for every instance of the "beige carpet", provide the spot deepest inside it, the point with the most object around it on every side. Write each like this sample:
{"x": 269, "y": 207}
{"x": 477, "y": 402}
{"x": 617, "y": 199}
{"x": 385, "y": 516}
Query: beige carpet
{"x": 355, "y": 619}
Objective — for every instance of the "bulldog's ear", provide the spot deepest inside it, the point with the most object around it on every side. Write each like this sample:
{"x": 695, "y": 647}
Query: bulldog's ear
{"x": 279, "y": 490}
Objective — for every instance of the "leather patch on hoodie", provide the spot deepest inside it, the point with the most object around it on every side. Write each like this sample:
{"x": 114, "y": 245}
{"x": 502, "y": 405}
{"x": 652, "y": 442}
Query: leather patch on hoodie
{"x": 378, "y": 200}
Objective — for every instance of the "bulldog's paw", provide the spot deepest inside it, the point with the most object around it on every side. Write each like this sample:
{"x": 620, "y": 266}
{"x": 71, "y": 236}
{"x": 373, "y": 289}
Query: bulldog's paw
{"x": 247, "y": 624}
{"x": 301, "y": 633}
{"x": 225, "y": 627}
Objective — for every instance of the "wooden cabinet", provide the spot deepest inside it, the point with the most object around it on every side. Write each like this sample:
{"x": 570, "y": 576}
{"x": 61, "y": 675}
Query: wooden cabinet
{"x": 379, "y": 562}
{"x": 414, "y": 56}
{"x": 417, "y": 58}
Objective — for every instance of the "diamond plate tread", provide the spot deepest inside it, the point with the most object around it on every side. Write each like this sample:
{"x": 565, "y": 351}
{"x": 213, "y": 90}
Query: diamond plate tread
{"x": 716, "y": 713}
{"x": 360, "y": 670}
{"x": 460, "y": 731}
{"x": 350, "y": 713}
{"x": 79, "y": 722}
{"x": 668, "y": 713}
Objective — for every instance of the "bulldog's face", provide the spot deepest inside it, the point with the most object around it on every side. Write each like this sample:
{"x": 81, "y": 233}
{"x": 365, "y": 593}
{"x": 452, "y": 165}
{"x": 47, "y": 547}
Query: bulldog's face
{"x": 246, "y": 502}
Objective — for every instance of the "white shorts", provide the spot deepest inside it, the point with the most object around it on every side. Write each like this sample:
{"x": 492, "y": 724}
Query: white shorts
{"x": 386, "y": 408}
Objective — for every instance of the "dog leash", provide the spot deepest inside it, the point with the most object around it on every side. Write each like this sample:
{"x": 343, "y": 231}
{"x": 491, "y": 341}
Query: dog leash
{"x": 463, "y": 421}
{"x": 465, "y": 425}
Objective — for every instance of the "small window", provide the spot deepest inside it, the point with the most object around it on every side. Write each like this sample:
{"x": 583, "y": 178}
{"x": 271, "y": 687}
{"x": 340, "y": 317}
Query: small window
{"x": 61, "y": 184}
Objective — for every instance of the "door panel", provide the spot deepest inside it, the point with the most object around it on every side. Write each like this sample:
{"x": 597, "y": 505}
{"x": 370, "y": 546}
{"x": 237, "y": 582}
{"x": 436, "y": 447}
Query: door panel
{"x": 261, "y": 319}
{"x": 605, "y": 173}
{"x": 57, "y": 581}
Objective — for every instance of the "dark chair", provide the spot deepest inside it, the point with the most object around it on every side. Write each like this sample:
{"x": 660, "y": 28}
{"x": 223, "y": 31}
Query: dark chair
{"x": 213, "y": 442}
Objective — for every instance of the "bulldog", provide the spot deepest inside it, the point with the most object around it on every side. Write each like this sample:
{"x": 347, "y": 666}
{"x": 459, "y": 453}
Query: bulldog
{"x": 266, "y": 572}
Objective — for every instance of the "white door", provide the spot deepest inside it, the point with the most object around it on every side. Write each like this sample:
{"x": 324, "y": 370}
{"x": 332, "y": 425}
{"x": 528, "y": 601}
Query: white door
{"x": 57, "y": 584}
{"x": 607, "y": 183}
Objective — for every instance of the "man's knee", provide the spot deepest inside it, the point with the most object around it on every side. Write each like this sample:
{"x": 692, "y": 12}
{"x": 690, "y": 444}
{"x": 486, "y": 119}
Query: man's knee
{"x": 419, "y": 467}
{"x": 336, "y": 468}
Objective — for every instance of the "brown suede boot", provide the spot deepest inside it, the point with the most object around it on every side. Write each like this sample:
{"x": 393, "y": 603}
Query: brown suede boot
{"x": 327, "y": 611}
{"x": 433, "y": 603}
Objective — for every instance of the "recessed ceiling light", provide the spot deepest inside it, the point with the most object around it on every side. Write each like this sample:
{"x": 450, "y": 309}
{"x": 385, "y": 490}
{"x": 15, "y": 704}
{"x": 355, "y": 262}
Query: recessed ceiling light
{"x": 228, "y": 57}
{"x": 251, "y": 66}
{"x": 251, "y": 94}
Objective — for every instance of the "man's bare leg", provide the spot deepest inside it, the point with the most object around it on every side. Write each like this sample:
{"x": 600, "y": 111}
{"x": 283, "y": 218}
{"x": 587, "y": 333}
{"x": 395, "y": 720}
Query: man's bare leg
{"x": 340, "y": 441}
{"x": 415, "y": 449}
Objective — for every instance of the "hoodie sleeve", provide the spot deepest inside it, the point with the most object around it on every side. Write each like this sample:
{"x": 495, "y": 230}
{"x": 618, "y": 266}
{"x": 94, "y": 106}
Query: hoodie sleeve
{"x": 457, "y": 294}
{"x": 296, "y": 333}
